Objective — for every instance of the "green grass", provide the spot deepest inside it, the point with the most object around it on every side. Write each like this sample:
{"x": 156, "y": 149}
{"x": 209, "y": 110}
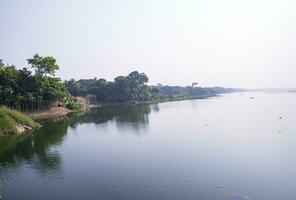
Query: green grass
{"x": 7, "y": 124}
{"x": 9, "y": 119}
{"x": 74, "y": 106}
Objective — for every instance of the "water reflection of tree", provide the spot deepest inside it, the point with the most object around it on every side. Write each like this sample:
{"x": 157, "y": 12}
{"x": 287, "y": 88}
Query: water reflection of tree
{"x": 125, "y": 116}
{"x": 37, "y": 149}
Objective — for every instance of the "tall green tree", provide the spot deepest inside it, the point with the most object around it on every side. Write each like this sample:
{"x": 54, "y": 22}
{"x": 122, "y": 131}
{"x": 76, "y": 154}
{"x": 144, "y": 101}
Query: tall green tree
{"x": 43, "y": 65}
{"x": 24, "y": 90}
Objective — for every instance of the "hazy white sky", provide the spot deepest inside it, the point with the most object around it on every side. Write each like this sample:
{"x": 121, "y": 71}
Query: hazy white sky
{"x": 238, "y": 43}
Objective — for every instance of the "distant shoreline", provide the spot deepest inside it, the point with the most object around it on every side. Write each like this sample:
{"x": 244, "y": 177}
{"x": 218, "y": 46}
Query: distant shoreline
{"x": 56, "y": 112}
{"x": 154, "y": 101}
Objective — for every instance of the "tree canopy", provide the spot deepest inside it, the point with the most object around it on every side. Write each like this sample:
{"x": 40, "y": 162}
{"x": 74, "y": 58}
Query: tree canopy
{"x": 24, "y": 89}
{"x": 43, "y": 65}
{"x": 36, "y": 86}
{"x": 130, "y": 88}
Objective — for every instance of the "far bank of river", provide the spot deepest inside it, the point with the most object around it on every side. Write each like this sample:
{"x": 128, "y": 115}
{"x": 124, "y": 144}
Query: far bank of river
{"x": 57, "y": 112}
{"x": 61, "y": 111}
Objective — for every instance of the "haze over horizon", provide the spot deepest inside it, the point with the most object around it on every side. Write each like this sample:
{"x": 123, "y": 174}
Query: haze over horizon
{"x": 230, "y": 43}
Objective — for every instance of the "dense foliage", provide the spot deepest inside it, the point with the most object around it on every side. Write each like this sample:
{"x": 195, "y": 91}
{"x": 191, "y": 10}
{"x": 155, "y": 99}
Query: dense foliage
{"x": 129, "y": 88}
{"x": 23, "y": 89}
{"x": 133, "y": 88}
{"x": 37, "y": 87}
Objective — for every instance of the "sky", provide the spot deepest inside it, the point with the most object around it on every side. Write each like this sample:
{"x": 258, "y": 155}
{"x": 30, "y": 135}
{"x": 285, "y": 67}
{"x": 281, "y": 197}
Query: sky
{"x": 230, "y": 43}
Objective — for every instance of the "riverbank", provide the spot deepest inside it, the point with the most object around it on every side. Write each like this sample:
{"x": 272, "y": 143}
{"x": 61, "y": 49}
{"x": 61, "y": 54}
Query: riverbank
{"x": 54, "y": 112}
{"x": 161, "y": 99}
{"x": 183, "y": 98}
{"x": 60, "y": 111}
{"x": 14, "y": 122}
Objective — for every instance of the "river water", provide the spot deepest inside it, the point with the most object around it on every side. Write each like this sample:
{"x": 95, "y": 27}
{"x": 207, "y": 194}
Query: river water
{"x": 222, "y": 148}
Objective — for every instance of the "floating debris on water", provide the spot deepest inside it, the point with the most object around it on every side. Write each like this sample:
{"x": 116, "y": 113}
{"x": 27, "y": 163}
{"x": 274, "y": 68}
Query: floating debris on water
{"x": 238, "y": 196}
{"x": 280, "y": 117}
{"x": 219, "y": 186}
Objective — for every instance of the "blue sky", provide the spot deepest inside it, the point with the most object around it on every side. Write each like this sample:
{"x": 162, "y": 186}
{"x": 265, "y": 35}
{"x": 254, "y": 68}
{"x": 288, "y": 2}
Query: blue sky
{"x": 229, "y": 43}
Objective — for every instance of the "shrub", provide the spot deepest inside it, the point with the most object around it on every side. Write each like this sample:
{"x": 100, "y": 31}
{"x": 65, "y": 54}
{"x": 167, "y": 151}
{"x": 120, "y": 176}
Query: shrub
{"x": 74, "y": 106}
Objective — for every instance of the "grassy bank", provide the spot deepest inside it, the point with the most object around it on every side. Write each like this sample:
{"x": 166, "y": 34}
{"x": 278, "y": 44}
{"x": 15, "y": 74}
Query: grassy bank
{"x": 12, "y": 121}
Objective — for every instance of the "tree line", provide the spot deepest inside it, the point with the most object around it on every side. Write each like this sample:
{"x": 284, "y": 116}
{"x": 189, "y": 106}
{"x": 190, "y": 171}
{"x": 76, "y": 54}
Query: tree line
{"x": 193, "y": 90}
{"x": 130, "y": 88}
{"x": 36, "y": 87}
{"x": 134, "y": 88}
{"x": 33, "y": 87}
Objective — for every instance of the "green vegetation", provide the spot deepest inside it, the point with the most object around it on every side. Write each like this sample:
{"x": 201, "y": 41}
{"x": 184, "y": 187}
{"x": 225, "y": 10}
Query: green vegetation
{"x": 7, "y": 124}
{"x": 10, "y": 120}
{"x": 19, "y": 117}
{"x": 26, "y": 90}
{"x": 36, "y": 87}
{"x": 74, "y": 106}
{"x": 176, "y": 93}
{"x": 131, "y": 88}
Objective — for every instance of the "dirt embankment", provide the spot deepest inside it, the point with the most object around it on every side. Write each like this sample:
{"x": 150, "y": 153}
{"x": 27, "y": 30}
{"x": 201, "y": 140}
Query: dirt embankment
{"x": 56, "y": 112}
{"x": 50, "y": 113}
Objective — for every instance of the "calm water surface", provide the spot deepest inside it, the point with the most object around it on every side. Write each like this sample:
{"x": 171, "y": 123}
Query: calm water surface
{"x": 223, "y": 148}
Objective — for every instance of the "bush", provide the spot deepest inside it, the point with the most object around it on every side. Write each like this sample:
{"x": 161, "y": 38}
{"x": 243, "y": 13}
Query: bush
{"x": 74, "y": 106}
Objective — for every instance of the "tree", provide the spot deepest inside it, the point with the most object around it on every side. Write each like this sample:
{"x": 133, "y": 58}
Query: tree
{"x": 1, "y": 64}
{"x": 21, "y": 90}
{"x": 43, "y": 65}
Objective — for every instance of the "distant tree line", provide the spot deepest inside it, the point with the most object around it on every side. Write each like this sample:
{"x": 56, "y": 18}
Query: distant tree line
{"x": 193, "y": 90}
{"x": 130, "y": 88}
{"x": 134, "y": 88}
{"x": 36, "y": 87}
{"x": 31, "y": 88}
